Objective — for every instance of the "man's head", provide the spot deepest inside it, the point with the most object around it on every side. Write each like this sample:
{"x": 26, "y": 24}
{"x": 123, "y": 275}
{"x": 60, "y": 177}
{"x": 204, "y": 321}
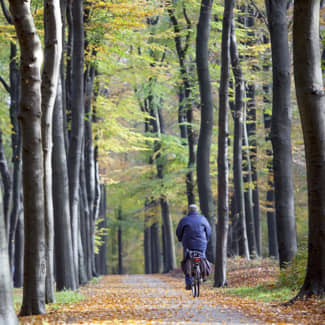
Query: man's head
{"x": 192, "y": 208}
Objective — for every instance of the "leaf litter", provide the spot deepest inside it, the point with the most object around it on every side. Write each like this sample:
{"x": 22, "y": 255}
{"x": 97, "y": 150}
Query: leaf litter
{"x": 161, "y": 299}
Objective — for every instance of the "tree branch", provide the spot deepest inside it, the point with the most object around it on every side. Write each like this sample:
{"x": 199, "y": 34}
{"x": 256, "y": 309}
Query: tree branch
{"x": 189, "y": 31}
{"x": 261, "y": 13}
{"x": 6, "y": 13}
{"x": 5, "y": 84}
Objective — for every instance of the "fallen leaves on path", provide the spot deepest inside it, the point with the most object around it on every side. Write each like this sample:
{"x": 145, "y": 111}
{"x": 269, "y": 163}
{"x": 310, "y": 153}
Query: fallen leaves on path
{"x": 161, "y": 299}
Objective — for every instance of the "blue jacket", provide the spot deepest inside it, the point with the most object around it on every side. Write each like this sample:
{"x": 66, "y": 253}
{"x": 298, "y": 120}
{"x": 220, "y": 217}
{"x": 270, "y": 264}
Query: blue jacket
{"x": 194, "y": 232}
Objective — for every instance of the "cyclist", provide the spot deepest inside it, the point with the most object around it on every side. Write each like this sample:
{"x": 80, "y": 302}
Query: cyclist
{"x": 194, "y": 232}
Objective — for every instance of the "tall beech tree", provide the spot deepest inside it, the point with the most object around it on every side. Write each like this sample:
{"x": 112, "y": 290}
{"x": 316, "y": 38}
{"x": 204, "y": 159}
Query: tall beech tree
{"x": 7, "y": 311}
{"x": 30, "y": 115}
{"x": 14, "y": 91}
{"x": 281, "y": 130}
{"x": 239, "y": 202}
{"x": 223, "y": 209}
{"x": 50, "y": 76}
{"x": 311, "y": 103}
{"x": 185, "y": 94}
{"x": 206, "y": 125}
{"x": 77, "y": 123}
{"x": 64, "y": 262}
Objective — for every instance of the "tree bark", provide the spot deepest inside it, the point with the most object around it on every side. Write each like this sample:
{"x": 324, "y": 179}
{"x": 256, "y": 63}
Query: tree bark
{"x": 18, "y": 259}
{"x": 30, "y": 113}
{"x": 64, "y": 261}
{"x": 223, "y": 208}
{"x": 90, "y": 167}
{"x": 7, "y": 311}
{"x": 50, "y": 76}
{"x": 281, "y": 131}
{"x": 206, "y": 126}
{"x": 77, "y": 122}
{"x": 239, "y": 223}
{"x": 311, "y": 103}
{"x": 120, "y": 243}
{"x": 7, "y": 186}
{"x": 251, "y": 133}
{"x": 270, "y": 213}
{"x": 101, "y": 253}
{"x": 16, "y": 150}
{"x": 147, "y": 239}
{"x": 155, "y": 244}
{"x": 186, "y": 101}
{"x": 101, "y": 260}
{"x": 168, "y": 235}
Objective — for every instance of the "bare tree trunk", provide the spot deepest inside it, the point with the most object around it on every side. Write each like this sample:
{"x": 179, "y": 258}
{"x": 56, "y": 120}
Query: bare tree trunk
{"x": 77, "y": 123}
{"x": 311, "y": 102}
{"x": 186, "y": 112}
{"x": 155, "y": 244}
{"x": 30, "y": 113}
{"x": 204, "y": 144}
{"x": 120, "y": 243}
{"x": 7, "y": 311}
{"x": 18, "y": 259}
{"x": 270, "y": 213}
{"x": 16, "y": 151}
{"x": 223, "y": 208}
{"x": 64, "y": 262}
{"x": 90, "y": 162}
{"x": 50, "y": 76}
{"x": 7, "y": 186}
{"x": 281, "y": 131}
{"x": 101, "y": 259}
{"x": 239, "y": 223}
{"x": 147, "y": 239}
{"x": 168, "y": 233}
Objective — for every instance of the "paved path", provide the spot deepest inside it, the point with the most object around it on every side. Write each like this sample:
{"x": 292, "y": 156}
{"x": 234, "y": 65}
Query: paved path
{"x": 141, "y": 299}
{"x": 170, "y": 305}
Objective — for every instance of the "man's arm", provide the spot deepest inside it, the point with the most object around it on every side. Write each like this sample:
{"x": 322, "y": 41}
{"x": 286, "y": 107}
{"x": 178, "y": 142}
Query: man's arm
{"x": 207, "y": 228}
{"x": 179, "y": 231}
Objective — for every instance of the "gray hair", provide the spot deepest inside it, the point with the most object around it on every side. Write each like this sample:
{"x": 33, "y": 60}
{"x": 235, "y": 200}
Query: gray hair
{"x": 193, "y": 208}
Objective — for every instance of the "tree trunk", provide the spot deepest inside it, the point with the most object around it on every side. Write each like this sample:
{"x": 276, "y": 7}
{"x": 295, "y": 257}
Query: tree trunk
{"x": 30, "y": 113}
{"x": 281, "y": 131}
{"x": 248, "y": 196}
{"x": 311, "y": 102}
{"x": 50, "y": 75}
{"x": 120, "y": 243}
{"x": 186, "y": 102}
{"x": 168, "y": 235}
{"x": 7, "y": 186}
{"x": 16, "y": 150}
{"x": 90, "y": 167}
{"x": 77, "y": 122}
{"x": 147, "y": 239}
{"x": 204, "y": 144}
{"x": 239, "y": 224}
{"x": 101, "y": 259}
{"x": 155, "y": 244}
{"x": 7, "y": 311}
{"x": 64, "y": 261}
{"x": 18, "y": 276}
{"x": 223, "y": 208}
{"x": 251, "y": 132}
{"x": 270, "y": 213}
{"x": 85, "y": 216}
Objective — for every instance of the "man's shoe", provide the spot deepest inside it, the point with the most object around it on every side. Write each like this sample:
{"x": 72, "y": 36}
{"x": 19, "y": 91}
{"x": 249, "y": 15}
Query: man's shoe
{"x": 188, "y": 287}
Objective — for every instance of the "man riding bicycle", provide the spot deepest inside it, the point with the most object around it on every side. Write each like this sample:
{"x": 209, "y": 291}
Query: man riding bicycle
{"x": 194, "y": 232}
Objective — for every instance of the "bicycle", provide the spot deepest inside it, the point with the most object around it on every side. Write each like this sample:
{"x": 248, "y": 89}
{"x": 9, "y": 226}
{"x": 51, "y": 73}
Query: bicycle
{"x": 195, "y": 272}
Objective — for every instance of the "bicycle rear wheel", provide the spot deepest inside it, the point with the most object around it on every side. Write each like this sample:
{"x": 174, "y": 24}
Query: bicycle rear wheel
{"x": 196, "y": 283}
{"x": 198, "y": 276}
